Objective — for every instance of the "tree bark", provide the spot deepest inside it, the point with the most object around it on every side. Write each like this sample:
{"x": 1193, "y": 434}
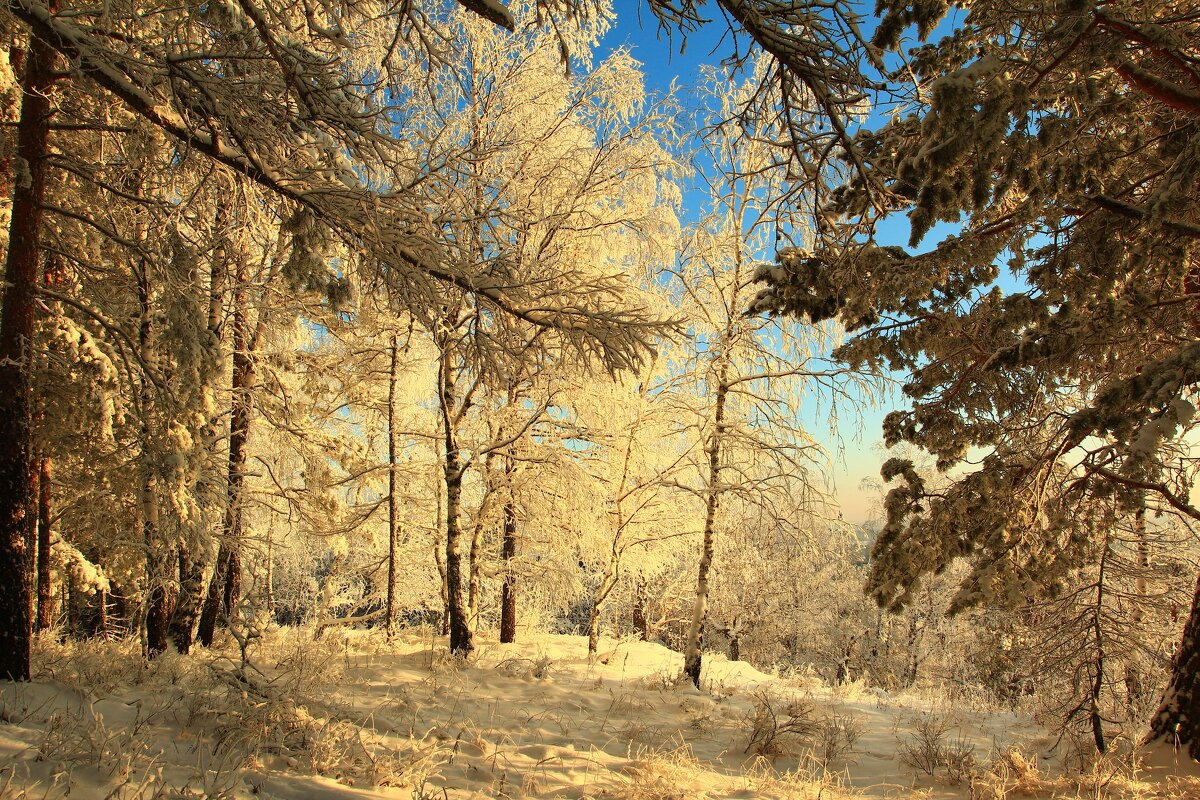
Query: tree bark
{"x": 187, "y": 606}
{"x": 16, "y": 386}
{"x": 460, "y": 630}
{"x": 191, "y": 560}
{"x": 393, "y": 527}
{"x": 439, "y": 551}
{"x": 475, "y": 556}
{"x": 45, "y": 598}
{"x": 508, "y": 552}
{"x": 1177, "y": 722}
{"x": 225, "y": 585}
{"x": 691, "y": 656}
{"x": 461, "y": 640}
{"x": 161, "y": 559}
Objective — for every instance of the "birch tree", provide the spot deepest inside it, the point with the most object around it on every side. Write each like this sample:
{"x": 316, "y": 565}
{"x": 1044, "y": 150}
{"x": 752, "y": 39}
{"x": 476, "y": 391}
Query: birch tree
{"x": 750, "y": 371}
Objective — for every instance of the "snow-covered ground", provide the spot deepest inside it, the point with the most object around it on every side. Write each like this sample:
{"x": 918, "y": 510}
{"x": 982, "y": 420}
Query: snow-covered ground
{"x": 353, "y": 716}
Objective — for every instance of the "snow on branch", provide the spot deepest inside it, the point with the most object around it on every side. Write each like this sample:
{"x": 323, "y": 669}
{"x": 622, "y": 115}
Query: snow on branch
{"x": 285, "y": 143}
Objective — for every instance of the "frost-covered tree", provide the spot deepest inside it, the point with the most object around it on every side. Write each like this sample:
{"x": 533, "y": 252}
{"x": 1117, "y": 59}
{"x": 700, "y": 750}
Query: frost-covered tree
{"x": 550, "y": 181}
{"x": 1062, "y": 139}
{"x": 642, "y": 454}
{"x": 284, "y": 96}
{"x": 749, "y": 372}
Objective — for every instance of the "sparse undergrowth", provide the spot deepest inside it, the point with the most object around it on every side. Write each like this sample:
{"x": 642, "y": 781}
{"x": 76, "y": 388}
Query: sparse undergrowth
{"x": 267, "y": 716}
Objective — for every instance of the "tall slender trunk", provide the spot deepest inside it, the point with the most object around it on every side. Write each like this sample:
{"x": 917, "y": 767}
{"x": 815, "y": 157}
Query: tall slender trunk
{"x": 508, "y": 553}
{"x": 16, "y": 385}
{"x": 393, "y": 527}
{"x": 439, "y": 551}
{"x": 191, "y": 552}
{"x": 460, "y": 630}
{"x": 161, "y": 557}
{"x": 691, "y": 656}
{"x": 725, "y": 345}
{"x": 607, "y": 581}
{"x": 45, "y": 598}
{"x": 225, "y": 584}
{"x": 1096, "y": 719}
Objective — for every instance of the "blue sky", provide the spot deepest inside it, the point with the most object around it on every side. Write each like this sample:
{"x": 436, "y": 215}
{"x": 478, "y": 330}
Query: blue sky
{"x": 856, "y": 448}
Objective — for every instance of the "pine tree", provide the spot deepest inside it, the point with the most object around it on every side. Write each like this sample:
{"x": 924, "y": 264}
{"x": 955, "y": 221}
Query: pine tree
{"x": 1062, "y": 139}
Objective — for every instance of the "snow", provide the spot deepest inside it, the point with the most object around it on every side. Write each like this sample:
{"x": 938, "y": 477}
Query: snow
{"x": 352, "y": 716}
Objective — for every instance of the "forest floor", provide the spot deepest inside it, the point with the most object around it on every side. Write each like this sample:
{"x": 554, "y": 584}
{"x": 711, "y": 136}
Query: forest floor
{"x": 351, "y": 715}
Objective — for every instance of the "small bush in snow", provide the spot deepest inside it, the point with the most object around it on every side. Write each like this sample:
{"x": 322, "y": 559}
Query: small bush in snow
{"x": 925, "y": 749}
{"x": 834, "y": 738}
{"x": 775, "y": 728}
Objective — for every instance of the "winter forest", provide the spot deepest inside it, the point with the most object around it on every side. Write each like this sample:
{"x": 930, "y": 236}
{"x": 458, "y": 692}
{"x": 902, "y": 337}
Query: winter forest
{"x": 443, "y": 399}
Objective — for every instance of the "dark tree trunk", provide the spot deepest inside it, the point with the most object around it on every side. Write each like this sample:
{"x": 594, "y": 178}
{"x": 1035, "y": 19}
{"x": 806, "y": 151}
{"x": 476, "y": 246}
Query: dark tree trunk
{"x": 508, "y": 552}
{"x": 1177, "y": 722}
{"x": 160, "y": 605}
{"x": 393, "y": 528}
{"x": 439, "y": 554}
{"x": 460, "y": 630}
{"x": 640, "y": 623}
{"x": 45, "y": 598}
{"x": 187, "y": 606}
{"x": 160, "y": 554}
{"x": 16, "y": 389}
{"x": 224, "y": 587}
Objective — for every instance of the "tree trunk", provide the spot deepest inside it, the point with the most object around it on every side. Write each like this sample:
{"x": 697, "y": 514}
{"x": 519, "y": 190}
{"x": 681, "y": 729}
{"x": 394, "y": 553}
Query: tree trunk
{"x": 31, "y": 531}
{"x": 508, "y": 552}
{"x": 191, "y": 554}
{"x": 45, "y": 598}
{"x": 16, "y": 386}
{"x": 640, "y": 623}
{"x": 439, "y": 552}
{"x": 161, "y": 558}
{"x": 393, "y": 528}
{"x": 607, "y": 581}
{"x": 460, "y": 631}
{"x": 1097, "y": 721}
{"x": 1177, "y": 722}
{"x": 224, "y": 587}
{"x": 691, "y": 656}
{"x": 475, "y": 568}
{"x": 187, "y": 606}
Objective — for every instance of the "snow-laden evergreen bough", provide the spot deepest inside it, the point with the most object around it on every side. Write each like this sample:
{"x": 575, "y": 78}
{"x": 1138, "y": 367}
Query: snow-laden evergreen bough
{"x": 1064, "y": 138}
